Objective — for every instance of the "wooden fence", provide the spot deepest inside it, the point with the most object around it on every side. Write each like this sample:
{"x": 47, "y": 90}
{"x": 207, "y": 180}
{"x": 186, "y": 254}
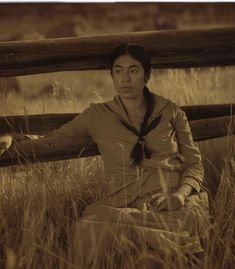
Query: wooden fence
{"x": 168, "y": 49}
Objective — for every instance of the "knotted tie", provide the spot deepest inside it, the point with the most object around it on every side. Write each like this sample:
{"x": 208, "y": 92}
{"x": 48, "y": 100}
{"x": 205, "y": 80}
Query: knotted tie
{"x": 139, "y": 148}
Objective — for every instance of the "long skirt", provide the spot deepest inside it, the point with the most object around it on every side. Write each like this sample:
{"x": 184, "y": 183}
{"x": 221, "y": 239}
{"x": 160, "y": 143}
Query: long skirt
{"x": 104, "y": 228}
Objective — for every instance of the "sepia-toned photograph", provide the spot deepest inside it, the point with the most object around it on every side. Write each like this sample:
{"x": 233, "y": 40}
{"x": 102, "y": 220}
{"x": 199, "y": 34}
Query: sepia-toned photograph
{"x": 117, "y": 147}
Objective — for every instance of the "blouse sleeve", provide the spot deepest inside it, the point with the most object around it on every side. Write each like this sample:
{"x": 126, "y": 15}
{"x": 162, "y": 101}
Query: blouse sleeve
{"x": 76, "y": 129}
{"x": 193, "y": 171}
{"x": 73, "y": 135}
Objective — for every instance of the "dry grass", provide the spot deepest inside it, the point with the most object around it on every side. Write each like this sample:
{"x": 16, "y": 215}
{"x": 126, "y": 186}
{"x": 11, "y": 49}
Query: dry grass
{"x": 41, "y": 206}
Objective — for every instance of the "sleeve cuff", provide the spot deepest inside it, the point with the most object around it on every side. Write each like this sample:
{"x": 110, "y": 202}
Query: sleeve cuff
{"x": 192, "y": 182}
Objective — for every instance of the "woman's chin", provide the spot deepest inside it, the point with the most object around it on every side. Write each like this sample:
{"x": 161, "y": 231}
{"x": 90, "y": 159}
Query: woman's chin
{"x": 128, "y": 95}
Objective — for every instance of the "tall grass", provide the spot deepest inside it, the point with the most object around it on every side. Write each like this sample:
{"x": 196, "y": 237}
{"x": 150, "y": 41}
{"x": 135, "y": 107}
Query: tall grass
{"x": 40, "y": 206}
{"x": 221, "y": 248}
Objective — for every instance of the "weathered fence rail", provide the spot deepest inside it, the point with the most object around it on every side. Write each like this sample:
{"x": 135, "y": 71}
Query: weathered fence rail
{"x": 43, "y": 123}
{"x": 60, "y": 150}
{"x": 169, "y": 49}
{"x": 202, "y": 129}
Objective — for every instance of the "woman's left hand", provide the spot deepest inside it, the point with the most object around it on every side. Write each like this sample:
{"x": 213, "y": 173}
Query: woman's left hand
{"x": 168, "y": 202}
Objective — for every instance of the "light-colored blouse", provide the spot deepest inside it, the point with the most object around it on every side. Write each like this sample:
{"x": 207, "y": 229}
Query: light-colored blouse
{"x": 175, "y": 159}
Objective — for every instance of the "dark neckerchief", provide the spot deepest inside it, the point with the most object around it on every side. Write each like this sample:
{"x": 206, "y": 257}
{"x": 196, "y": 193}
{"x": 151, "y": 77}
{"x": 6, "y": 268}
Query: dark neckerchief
{"x": 139, "y": 148}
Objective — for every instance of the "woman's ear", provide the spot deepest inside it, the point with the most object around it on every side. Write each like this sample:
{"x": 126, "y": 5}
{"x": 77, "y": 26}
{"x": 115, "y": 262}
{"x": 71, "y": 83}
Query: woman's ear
{"x": 147, "y": 77}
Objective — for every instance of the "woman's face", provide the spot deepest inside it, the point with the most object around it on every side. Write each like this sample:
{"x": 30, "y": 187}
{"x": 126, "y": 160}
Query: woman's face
{"x": 128, "y": 77}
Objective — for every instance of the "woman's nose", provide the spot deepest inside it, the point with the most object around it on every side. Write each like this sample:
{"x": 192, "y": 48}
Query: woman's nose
{"x": 126, "y": 76}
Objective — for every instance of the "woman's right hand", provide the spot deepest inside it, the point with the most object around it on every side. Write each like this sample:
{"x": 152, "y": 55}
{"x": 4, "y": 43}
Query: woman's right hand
{"x": 167, "y": 202}
{"x": 5, "y": 142}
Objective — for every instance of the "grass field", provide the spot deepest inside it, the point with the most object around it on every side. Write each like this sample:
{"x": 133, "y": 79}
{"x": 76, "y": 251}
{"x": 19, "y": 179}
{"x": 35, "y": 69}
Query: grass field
{"x": 41, "y": 204}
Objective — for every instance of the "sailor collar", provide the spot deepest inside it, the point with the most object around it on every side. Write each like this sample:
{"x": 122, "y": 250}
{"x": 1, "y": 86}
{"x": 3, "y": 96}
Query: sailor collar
{"x": 117, "y": 107}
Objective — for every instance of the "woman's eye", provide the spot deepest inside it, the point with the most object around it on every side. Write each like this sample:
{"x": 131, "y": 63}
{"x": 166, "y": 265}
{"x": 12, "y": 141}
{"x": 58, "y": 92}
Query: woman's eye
{"x": 117, "y": 71}
{"x": 134, "y": 71}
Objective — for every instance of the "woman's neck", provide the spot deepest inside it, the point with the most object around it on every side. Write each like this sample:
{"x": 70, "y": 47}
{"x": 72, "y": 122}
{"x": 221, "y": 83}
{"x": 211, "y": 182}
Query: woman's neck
{"x": 134, "y": 107}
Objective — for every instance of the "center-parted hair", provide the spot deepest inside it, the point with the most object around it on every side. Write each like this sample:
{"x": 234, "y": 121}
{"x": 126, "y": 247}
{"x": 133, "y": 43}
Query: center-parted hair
{"x": 142, "y": 56}
{"x": 135, "y": 51}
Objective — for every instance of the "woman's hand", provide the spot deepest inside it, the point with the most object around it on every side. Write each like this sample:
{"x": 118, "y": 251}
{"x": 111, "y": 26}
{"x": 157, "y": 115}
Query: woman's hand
{"x": 5, "y": 143}
{"x": 168, "y": 202}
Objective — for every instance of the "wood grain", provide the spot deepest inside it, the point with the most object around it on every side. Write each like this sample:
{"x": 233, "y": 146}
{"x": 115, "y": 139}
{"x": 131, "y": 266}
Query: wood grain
{"x": 168, "y": 49}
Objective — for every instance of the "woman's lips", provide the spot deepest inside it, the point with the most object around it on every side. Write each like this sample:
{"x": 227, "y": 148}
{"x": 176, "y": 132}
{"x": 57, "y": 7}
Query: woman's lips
{"x": 126, "y": 87}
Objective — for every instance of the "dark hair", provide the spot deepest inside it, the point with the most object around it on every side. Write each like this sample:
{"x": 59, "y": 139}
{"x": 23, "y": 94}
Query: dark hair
{"x": 134, "y": 50}
{"x": 140, "y": 54}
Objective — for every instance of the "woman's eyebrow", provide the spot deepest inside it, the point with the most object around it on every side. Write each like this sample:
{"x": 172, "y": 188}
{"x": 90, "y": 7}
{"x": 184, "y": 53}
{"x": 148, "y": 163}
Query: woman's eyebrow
{"x": 120, "y": 66}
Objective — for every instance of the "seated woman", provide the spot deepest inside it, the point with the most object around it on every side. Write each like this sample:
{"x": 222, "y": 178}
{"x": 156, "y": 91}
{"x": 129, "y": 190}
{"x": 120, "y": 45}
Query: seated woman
{"x": 153, "y": 167}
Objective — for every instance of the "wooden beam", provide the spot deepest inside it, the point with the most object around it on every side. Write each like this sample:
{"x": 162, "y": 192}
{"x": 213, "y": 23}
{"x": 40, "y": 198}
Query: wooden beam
{"x": 27, "y": 157}
{"x": 168, "y": 48}
{"x": 42, "y": 124}
{"x": 204, "y": 129}
{"x": 51, "y": 150}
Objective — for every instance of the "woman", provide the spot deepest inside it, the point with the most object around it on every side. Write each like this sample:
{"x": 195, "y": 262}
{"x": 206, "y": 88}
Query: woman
{"x": 153, "y": 167}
